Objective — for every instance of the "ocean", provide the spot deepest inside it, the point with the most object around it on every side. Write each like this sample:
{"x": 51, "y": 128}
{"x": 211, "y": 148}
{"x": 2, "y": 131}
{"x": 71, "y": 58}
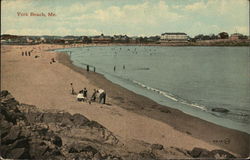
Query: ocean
{"x": 194, "y": 80}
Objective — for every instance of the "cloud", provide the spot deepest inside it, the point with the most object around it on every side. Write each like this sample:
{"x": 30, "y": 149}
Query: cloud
{"x": 144, "y": 13}
{"x": 14, "y": 4}
{"x": 195, "y": 6}
{"x": 135, "y": 18}
{"x": 202, "y": 28}
{"x": 239, "y": 29}
{"x": 87, "y": 32}
{"x": 28, "y": 31}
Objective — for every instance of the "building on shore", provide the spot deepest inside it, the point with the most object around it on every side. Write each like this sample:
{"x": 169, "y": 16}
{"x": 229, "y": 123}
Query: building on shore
{"x": 101, "y": 39}
{"x": 121, "y": 39}
{"x": 173, "y": 37}
{"x": 235, "y": 36}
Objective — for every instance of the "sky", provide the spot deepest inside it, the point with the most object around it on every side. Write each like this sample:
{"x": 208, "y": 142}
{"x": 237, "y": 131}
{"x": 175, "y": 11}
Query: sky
{"x": 130, "y": 17}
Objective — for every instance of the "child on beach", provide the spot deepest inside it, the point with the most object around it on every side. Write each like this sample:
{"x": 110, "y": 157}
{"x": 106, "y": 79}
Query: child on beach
{"x": 72, "y": 89}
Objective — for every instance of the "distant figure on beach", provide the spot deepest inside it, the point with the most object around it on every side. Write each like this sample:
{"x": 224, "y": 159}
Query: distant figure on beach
{"x": 80, "y": 97}
{"x": 53, "y": 60}
{"x": 94, "y": 69}
{"x": 29, "y": 53}
{"x": 102, "y": 96}
{"x": 123, "y": 67}
{"x": 85, "y": 91}
{"x": 22, "y": 53}
{"x": 87, "y": 68}
{"x": 72, "y": 89}
{"x": 114, "y": 68}
{"x": 93, "y": 97}
{"x": 25, "y": 53}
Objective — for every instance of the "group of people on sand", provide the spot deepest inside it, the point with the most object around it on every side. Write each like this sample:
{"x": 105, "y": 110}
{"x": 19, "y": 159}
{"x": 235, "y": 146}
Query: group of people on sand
{"x": 82, "y": 95}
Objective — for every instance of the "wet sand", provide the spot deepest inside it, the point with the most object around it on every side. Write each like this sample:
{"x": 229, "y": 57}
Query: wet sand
{"x": 128, "y": 115}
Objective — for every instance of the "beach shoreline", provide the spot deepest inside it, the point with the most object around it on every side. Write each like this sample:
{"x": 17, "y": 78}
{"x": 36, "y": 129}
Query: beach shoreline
{"x": 119, "y": 98}
{"x": 157, "y": 111}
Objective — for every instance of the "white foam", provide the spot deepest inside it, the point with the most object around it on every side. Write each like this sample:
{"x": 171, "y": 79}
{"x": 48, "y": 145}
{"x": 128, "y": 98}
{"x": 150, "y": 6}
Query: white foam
{"x": 170, "y": 96}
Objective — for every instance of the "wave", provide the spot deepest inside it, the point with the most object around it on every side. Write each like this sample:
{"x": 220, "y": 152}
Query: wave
{"x": 171, "y": 96}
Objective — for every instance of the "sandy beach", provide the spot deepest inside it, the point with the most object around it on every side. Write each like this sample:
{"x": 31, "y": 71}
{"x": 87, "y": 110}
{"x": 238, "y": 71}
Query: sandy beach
{"x": 129, "y": 116}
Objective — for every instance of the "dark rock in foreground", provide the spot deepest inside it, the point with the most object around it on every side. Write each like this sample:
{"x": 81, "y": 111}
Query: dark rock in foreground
{"x": 214, "y": 154}
{"x": 157, "y": 146}
{"x": 29, "y": 133}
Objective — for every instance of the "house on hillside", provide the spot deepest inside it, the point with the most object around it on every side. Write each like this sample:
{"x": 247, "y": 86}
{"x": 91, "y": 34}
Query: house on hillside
{"x": 101, "y": 39}
{"x": 134, "y": 39}
{"x": 235, "y": 36}
{"x": 121, "y": 38}
{"x": 173, "y": 37}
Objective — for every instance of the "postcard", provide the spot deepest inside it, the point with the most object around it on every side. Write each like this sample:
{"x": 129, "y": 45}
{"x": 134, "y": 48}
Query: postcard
{"x": 131, "y": 79}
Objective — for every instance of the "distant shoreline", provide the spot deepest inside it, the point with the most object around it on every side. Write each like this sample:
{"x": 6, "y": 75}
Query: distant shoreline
{"x": 204, "y": 43}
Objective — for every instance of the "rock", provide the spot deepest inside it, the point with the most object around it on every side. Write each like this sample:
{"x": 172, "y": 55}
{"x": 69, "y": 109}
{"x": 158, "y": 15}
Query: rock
{"x": 73, "y": 150}
{"x": 94, "y": 124}
{"x": 79, "y": 120}
{"x": 88, "y": 148}
{"x": 32, "y": 115}
{"x": 37, "y": 148}
{"x": 221, "y": 110}
{"x": 199, "y": 152}
{"x": 53, "y": 138}
{"x": 22, "y": 142}
{"x": 57, "y": 141}
{"x": 80, "y": 147}
{"x": 63, "y": 118}
{"x": 4, "y": 93}
{"x": 7, "y": 150}
{"x": 48, "y": 118}
{"x": 147, "y": 155}
{"x": 220, "y": 154}
{"x": 156, "y": 146}
{"x": 10, "y": 113}
{"x": 97, "y": 156}
{"x": 11, "y": 103}
{"x": 18, "y": 153}
{"x": 12, "y": 136}
{"x": 5, "y": 127}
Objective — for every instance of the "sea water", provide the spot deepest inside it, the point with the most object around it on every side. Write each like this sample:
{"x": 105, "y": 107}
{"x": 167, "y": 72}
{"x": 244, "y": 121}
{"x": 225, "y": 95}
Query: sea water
{"x": 192, "y": 79}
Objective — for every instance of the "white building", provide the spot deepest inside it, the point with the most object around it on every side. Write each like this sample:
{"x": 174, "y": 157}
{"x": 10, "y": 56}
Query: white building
{"x": 174, "y": 37}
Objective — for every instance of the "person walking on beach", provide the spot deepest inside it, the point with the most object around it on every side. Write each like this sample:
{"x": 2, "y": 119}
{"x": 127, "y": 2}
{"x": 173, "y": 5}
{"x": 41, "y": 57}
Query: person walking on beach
{"x": 114, "y": 68}
{"x": 93, "y": 97}
{"x": 123, "y": 67}
{"x": 72, "y": 89}
{"x": 102, "y": 96}
{"x": 25, "y": 53}
{"x": 22, "y": 53}
{"x": 29, "y": 53}
{"x": 53, "y": 60}
{"x": 85, "y": 91}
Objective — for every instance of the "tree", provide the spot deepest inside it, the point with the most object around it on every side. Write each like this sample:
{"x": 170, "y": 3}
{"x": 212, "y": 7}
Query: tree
{"x": 223, "y": 35}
